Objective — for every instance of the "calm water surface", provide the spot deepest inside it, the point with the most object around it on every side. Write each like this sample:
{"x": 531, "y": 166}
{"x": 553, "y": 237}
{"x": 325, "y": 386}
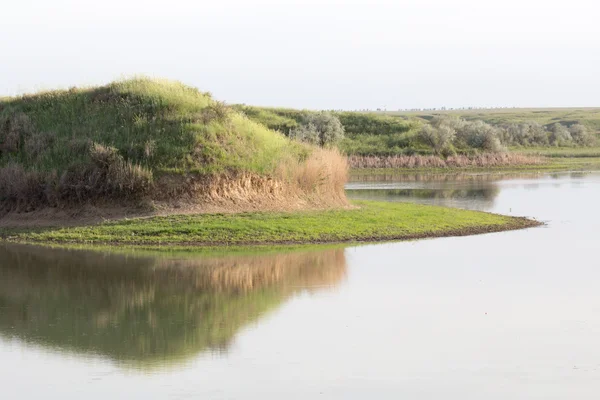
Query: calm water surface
{"x": 513, "y": 315}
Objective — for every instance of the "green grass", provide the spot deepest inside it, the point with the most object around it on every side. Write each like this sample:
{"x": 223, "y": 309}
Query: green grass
{"x": 370, "y": 221}
{"x": 365, "y": 133}
{"x": 129, "y": 141}
{"x": 395, "y": 133}
{"x": 161, "y": 125}
{"x": 560, "y": 152}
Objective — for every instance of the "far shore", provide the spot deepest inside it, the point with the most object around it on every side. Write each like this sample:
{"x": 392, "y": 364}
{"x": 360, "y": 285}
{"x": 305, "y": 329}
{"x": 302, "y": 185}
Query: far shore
{"x": 549, "y": 164}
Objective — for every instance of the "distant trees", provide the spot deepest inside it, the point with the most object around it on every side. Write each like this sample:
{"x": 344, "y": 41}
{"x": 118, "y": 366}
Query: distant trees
{"x": 321, "y": 128}
{"x": 560, "y": 135}
{"x": 371, "y": 133}
{"x": 438, "y": 137}
{"x": 480, "y": 135}
{"x": 524, "y": 134}
{"x": 443, "y": 134}
{"x": 582, "y": 135}
{"x": 557, "y": 134}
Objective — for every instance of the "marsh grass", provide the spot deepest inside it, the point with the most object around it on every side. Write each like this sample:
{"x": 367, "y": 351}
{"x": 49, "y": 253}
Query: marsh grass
{"x": 484, "y": 160}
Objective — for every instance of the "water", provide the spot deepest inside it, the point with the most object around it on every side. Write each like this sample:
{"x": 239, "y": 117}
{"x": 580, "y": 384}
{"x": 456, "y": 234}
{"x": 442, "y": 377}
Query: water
{"x": 505, "y": 315}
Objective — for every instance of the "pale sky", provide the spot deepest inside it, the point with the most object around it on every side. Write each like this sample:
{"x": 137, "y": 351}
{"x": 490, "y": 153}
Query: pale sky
{"x": 314, "y": 54}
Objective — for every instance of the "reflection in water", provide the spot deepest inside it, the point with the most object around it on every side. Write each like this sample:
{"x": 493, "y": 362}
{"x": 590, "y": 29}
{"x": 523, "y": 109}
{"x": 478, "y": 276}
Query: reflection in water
{"x": 462, "y": 190}
{"x": 470, "y": 191}
{"x": 148, "y": 309}
{"x": 473, "y": 198}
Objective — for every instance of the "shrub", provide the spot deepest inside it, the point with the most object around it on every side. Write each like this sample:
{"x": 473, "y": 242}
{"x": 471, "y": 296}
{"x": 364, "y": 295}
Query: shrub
{"x": 306, "y": 133}
{"x": 474, "y": 134}
{"x": 21, "y": 189}
{"x": 439, "y": 138}
{"x": 323, "y": 129}
{"x": 560, "y": 135}
{"x": 582, "y": 135}
{"x": 525, "y": 134}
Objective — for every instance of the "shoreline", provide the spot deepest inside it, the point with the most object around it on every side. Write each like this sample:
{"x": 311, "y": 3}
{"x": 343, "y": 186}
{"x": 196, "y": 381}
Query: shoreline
{"x": 370, "y": 222}
{"x": 556, "y": 164}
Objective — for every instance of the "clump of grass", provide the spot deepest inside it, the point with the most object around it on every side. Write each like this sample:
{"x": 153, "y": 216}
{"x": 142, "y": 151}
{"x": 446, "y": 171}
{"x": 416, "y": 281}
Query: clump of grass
{"x": 107, "y": 176}
{"x": 323, "y": 173}
{"x": 15, "y": 127}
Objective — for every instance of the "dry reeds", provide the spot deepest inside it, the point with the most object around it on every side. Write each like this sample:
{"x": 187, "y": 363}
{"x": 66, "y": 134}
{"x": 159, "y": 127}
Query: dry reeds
{"x": 459, "y": 161}
{"x": 315, "y": 182}
{"x": 319, "y": 179}
{"x": 106, "y": 177}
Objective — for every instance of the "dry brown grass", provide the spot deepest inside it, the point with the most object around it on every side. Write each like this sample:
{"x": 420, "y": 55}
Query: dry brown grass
{"x": 319, "y": 179}
{"x": 109, "y": 181}
{"x": 315, "y": 183}
{"x": 459, "y": 161}
{"x": 107, "y": 177}
{"x": 14, "y": 128}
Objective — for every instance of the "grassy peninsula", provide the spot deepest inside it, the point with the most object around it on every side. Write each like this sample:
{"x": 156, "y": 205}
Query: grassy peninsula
{"x": 194, "y": 171}
{"x": 369, "y": 221}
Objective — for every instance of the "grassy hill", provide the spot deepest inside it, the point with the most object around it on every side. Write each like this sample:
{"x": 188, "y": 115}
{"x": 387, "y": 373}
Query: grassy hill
{"x": 365, "y": 133}
{"x": 142, "y": 138}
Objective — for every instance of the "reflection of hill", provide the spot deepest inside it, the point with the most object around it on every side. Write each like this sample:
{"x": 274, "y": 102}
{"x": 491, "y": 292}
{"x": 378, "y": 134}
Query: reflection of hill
{"x": 476, "y": 197}
{"x": 486, "y": 193}
{"x": 144, "y": 309}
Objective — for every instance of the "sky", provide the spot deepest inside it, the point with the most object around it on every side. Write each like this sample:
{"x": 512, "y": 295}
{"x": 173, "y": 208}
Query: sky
{"x": 312, "y": 54}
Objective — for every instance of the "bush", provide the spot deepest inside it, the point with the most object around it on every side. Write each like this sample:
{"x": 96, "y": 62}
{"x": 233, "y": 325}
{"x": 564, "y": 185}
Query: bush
{"x": 525, "y": 134}
{"x": 322, "y": 129}
{"x": 560, "y": 135}
{"x": 439, "y": 138}
{"x": 582, "y": 135}
{"x": 461, "y": 133}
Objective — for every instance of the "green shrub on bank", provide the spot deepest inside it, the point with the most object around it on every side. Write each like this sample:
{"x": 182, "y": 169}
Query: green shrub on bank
{"x": 322, "y": 129}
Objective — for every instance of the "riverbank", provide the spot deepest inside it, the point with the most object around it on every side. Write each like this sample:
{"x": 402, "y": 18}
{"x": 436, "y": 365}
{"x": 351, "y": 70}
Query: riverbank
{"x": 367, "y": 222}
{"x": 549, "y": 164}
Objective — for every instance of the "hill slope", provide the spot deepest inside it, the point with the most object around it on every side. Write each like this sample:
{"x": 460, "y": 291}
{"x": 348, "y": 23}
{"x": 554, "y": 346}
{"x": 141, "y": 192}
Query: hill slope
{"x": 145, "y": 139}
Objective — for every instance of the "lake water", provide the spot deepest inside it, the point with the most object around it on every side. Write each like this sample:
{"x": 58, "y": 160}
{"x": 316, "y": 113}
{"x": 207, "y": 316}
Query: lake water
{"x": 513, "y": 315}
